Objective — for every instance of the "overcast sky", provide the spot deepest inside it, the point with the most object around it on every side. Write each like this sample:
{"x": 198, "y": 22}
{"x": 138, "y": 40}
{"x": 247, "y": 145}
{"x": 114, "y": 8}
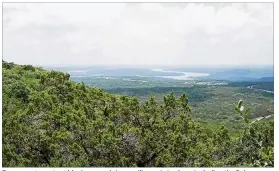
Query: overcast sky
{"x": 138, "y": 33}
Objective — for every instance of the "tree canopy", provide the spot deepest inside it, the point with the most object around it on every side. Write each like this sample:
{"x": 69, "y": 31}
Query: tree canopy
{"x": 50, "y": 121}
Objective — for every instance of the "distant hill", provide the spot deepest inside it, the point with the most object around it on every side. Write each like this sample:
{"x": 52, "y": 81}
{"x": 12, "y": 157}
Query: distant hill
{"x": 115, "y": 72}
{"x": 270, "y": 79}
{"x": 253, "y": 74}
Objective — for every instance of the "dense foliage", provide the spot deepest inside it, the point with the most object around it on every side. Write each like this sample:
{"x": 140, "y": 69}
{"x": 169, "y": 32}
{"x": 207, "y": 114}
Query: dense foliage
{"x": 211, "y": 100}
{"x": 196, "y": 93}
{"x": 265, "y": 85}
{"x": 211, "y": 104}
{"x": 49, "y": 120}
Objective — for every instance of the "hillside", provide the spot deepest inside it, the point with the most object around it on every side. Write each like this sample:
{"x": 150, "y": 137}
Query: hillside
{"x": 50, "y": 121}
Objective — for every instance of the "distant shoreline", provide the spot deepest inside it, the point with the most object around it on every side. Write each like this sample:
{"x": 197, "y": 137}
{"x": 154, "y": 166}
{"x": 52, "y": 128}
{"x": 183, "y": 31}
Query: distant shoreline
{"x": 183, "y": 76}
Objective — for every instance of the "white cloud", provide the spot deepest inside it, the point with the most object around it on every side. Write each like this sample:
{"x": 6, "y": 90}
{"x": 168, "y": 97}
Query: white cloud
{"x": 146, "y": 33}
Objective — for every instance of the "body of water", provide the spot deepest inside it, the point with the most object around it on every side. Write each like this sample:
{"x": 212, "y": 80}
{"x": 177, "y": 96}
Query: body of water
{"x": 183, "y": 76}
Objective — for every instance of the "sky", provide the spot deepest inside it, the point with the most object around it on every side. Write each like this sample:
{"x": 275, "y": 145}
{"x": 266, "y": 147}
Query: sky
{"x": 172, "y": 34}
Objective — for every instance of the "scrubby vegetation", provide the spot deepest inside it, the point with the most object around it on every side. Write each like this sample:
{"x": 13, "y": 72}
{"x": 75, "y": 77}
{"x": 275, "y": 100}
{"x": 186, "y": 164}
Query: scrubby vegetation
{"x": 49, "y": 120}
